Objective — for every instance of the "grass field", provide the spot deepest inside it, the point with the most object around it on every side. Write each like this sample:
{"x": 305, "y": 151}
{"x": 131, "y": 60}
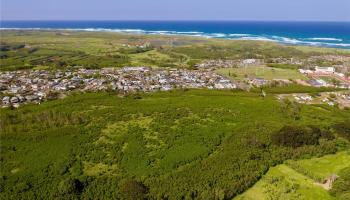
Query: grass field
{"x": 267, "y": 73}
{"x": 282, "y": 182}
{"x": 321, "y": 168}
{"x": 295, "y": 180}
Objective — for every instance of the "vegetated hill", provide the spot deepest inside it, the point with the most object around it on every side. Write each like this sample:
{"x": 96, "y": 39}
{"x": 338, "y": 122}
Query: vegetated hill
{"x": 170, "y": 145}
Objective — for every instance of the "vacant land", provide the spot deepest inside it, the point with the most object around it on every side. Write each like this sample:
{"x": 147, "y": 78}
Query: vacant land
{"x": 294, "y": 180}
{"x": 180, "y": 144}
{"x": 267, "y": 73}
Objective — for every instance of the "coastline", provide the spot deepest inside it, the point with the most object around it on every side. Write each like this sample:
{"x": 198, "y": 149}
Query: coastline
{"x": 330, "y": 35}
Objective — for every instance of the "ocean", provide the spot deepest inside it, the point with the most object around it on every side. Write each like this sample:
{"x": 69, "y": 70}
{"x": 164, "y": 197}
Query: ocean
{"x": 323, "y": 34}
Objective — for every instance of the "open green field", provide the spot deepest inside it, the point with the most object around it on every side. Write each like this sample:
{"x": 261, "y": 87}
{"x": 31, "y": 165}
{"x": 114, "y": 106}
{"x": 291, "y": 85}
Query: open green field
{"x": 196, "y": 144}
{"x": 293, "y": 180}
{"x": 321, "y": 168}
{"x": 282, "y": 182}
{"x": 58, "y": 49}
{"x": 267, "y": 73}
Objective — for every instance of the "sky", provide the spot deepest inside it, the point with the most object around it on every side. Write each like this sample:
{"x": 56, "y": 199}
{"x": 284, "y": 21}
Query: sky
{"x": 257, "y": 10}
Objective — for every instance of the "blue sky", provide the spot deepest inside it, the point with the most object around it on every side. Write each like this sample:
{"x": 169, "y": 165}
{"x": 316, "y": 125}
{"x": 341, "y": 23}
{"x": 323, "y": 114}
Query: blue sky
{"x": 276, "y": 10}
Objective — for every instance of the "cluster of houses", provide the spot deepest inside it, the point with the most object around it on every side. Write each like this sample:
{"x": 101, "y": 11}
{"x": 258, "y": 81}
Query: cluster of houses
{"x": 24, "y": 86}
{"x": 341, "y": 99}
{"x": 216, "y": 64}
{"x": 290, "y": 61}
{"x": 138, "y": 45}
{"x": 302, "y": 98}
{"x": 330, "y": 57}
{"x": 34, "y": 86}
{"x": 311, "y": 61}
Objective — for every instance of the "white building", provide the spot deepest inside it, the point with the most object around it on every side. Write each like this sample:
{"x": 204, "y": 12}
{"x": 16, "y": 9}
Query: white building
{"x": 324, "y": 69}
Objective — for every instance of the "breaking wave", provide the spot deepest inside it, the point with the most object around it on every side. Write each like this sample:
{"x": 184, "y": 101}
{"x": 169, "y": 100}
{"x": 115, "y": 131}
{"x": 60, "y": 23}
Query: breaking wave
{"x": 257, "y": 38}
{"x": 325, "y": 39}
{"x": 316, "y": 41}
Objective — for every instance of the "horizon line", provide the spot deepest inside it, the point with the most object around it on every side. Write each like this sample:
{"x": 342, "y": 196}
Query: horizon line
{"x": 166, "y": 20}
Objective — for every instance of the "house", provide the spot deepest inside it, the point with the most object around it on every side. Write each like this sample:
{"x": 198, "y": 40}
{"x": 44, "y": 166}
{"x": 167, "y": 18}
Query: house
{"x": 6, "y": 100}
{"x": 14, "y": 100}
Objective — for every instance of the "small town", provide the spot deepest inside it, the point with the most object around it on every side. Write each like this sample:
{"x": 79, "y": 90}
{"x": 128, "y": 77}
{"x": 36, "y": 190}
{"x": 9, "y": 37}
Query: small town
{"x": 34, "y": 86}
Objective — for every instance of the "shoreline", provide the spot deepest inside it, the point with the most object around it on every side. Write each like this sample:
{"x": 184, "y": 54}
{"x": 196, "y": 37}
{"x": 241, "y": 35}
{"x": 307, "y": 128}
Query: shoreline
{"x": 321, "y": 42}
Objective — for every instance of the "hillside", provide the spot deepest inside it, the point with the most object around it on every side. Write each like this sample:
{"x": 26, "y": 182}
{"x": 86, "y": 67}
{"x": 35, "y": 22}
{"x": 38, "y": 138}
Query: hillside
{"x": 201, "y": 144}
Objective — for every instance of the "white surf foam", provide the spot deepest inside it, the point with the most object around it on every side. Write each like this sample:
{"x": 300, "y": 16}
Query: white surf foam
{"x": 286, "y": 40}
{"x": 189, "y": 32}
{"x": 325, "y": 39}
{"x": 257, "y": 38}
{"x": 238, "y": 35}
{"x": 218, "y": 35}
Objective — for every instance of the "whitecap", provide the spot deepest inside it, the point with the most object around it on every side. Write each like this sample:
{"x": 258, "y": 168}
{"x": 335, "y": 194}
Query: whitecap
{"x": 325, "y": 39}
{"x": 258, "y": 38}
{"x": 161, "y": 31}
{"x": 189, "y": 32}
{"x": 217, "y": 35}
{"x": 338, "y": 44}
{"x": 287, "y": 40}
{"x": 238, "y": 35}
